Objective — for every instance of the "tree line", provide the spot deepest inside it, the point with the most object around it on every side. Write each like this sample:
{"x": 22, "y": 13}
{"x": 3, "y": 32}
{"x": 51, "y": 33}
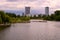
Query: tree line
{"x": 52, "y": 17}
{"x": 11, "y": 18}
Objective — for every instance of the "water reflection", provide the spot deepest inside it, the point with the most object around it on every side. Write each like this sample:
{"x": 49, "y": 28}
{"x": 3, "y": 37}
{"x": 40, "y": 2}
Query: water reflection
{"x": 32, "y": 31}
{"x": 15, "y": 32}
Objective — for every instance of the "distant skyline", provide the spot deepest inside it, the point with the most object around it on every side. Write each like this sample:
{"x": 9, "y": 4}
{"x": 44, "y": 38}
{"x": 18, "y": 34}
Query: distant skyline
{"x": 37, "y": 6}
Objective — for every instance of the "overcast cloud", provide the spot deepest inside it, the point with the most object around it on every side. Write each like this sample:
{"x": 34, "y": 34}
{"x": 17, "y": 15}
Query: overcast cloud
{"x": 37, "y": 5}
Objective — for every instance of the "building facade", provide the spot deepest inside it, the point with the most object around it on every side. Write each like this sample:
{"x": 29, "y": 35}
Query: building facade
{"x": 27, "y": 11}
{"x": 46, "y": 11}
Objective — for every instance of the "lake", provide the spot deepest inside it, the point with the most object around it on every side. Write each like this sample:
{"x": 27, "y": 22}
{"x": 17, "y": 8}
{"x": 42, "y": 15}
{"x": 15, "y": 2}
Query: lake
{"x": 49, "y": 30}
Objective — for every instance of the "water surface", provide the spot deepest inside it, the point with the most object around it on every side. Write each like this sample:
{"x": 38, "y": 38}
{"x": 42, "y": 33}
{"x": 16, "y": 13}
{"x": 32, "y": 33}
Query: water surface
{"x": 32, "y": 31}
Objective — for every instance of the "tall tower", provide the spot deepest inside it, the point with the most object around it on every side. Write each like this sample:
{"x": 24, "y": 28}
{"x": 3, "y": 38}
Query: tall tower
{"x": 27, "y": 11}
{"x": 46, "y": 11}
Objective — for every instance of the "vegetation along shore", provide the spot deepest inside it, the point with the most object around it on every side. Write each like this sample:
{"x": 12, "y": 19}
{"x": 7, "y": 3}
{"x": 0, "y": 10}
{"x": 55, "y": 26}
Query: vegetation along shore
{"x": 6, "y": 19}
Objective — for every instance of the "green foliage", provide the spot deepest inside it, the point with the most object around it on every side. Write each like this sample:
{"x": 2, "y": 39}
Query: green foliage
{"x": 39, "y": 16}
{"x": 0, "y": 20}
{"x": 57, "y": 18}
{"x": 25, "y": 18}
{"x": 54, "y": 17}
{"x": 12, "y": 18}
{"x": 11, "y": 14}
{"x": 57, "y": 12}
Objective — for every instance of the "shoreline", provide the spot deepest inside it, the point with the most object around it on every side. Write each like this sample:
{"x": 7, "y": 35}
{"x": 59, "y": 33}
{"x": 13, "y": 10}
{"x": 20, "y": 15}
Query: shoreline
{"x": 3, "y": 26}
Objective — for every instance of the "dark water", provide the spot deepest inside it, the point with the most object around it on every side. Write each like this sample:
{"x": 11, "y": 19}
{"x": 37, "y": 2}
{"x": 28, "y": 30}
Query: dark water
{"x": 32, "y": 31}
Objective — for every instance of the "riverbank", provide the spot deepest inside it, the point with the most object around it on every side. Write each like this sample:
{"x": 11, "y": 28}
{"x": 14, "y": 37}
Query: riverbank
{"x": 3, "y": 26}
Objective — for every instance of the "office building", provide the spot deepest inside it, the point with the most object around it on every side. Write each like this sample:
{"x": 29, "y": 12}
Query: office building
{"x": 46, "y": 11}
{"x": 27, "y": 11}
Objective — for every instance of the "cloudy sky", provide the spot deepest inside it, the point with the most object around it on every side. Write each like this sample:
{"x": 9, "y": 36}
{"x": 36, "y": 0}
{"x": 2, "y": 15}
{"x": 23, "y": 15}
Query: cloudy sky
{"x": 37, "y": 6}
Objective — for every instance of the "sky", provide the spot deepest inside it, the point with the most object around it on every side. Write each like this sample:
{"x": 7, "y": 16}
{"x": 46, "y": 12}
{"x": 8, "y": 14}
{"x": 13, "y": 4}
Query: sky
{"x": 37, "y": 6}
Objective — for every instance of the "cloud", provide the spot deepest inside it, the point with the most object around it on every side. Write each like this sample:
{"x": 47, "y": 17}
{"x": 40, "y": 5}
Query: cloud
{"x": 37, "y": 5}
{"x": 20, "y": 0}
{"x": 12, "y": 0}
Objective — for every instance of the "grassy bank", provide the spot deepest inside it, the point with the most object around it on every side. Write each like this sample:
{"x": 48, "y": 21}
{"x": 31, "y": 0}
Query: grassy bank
{"x": 3, "y": 26}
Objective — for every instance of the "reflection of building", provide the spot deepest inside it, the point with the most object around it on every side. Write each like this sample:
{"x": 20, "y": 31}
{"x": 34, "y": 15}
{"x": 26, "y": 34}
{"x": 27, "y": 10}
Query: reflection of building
{"x": 47, "y": 11}
{"x": 27, "y": 11}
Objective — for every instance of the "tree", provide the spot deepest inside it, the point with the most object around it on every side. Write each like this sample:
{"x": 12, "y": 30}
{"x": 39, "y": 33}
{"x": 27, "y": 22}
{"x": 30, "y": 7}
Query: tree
{"x": 0, "y": 20}
{"x": 39, "y": 16}
{"x": 11, "y": 14}
{"x": 57, "y": 12}
{"x": 18, "y": 16}
{"x": 57, "y": 18}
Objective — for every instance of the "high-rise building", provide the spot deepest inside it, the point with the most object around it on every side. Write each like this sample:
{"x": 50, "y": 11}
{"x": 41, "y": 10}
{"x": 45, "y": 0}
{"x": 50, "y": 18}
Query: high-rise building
{"x": 46, "y": 11}
{"x": 27, "y": 11}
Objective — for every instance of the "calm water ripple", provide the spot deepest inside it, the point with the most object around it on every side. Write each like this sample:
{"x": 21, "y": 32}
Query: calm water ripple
{"x": 32, "y": 31}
